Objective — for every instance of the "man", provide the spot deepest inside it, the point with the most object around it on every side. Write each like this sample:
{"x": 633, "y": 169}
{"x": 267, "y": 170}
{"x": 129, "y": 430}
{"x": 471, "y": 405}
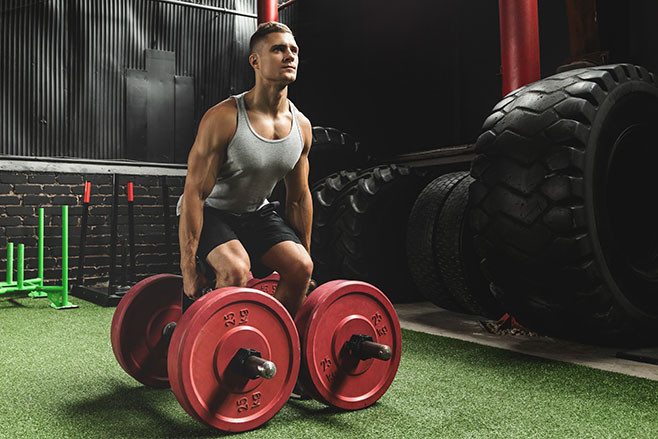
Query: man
{"x": 244, "y": 146}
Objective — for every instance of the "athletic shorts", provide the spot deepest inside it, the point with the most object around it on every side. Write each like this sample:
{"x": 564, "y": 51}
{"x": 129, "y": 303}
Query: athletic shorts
{"x": 257, "y": 231}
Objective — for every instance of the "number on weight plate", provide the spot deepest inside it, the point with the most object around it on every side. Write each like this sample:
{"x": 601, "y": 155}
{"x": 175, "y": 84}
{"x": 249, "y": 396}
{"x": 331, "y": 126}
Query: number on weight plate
{"x": 325, "y": 364}
{"x": 229, "y": 319}
{"x": 243, "y": 404}
{"x": 376, "y": 319}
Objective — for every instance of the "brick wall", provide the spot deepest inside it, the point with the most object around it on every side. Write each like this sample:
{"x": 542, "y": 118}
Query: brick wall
{"x": 22, "y": 193}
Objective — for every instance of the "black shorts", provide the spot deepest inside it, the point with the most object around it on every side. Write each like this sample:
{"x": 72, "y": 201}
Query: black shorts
{"x": 257, "y": 231}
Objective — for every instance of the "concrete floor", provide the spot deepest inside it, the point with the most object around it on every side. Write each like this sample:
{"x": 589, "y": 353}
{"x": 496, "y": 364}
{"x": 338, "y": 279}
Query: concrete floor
{"x": 427, "y": 317}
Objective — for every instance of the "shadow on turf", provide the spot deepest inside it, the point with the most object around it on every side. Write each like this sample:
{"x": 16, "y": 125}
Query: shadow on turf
{"x": 11, "y": 302}
{"x": 146, "y": 412}
{"x": 136, "y": 412}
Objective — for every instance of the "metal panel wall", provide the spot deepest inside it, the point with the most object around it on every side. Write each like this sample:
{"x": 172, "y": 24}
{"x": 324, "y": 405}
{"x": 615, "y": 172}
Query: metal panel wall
{"x": 63, "y": 67}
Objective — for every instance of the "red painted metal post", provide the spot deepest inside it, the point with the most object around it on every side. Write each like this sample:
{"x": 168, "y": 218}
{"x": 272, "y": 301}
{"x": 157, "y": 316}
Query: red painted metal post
{"x": 267, "y": 11}
{"x": 519, "y": 43}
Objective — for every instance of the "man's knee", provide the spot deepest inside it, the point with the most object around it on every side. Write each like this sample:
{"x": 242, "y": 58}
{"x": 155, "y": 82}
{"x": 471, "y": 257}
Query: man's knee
{"x": 299, "y": 268}
{"x": 235, "y": 274}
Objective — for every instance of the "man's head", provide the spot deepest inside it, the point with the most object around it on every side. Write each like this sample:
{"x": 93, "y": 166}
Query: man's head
{"x": 273, "y": 52}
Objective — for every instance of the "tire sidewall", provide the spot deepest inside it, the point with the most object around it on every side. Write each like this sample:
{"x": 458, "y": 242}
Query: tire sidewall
{"x": 592, "y": 154}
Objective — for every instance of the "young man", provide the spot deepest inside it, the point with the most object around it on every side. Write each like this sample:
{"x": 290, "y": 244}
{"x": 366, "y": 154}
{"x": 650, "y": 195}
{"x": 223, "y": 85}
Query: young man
{"x": 244, "y": 146}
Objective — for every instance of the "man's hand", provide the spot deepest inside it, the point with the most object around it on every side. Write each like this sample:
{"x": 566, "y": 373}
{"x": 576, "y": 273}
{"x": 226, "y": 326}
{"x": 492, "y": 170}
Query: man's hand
{"x": 194, "y": 283}
{"x": 312, "y": 284}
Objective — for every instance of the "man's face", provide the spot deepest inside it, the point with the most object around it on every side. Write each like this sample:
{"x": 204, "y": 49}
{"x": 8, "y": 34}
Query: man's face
{"x": 277, "y": 57}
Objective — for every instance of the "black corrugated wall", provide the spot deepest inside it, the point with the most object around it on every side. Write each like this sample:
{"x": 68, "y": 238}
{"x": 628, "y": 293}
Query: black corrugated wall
{"x": 63, "y": 66}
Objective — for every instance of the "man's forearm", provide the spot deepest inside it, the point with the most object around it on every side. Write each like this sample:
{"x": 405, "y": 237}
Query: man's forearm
{"x": 300, "y": 216}
{"x": 189, "y": 232}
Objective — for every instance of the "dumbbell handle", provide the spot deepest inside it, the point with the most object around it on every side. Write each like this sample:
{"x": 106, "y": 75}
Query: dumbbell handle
{"x": 249, "y": 363}
{"x": 375, "y": 350}
{"x": 362, "y": 347}
{"x": 257, "y": 366}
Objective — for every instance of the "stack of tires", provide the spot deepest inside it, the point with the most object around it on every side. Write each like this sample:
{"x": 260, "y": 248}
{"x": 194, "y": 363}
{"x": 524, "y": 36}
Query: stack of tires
{"x": 359, "y": 227}
{"x": 560, "y": 204}
{"x": 554, "y": 224}
{"x": 440, "y": 249}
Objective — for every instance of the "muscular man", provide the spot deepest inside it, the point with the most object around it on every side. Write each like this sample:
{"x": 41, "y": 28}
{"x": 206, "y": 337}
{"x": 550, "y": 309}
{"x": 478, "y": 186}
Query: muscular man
{"x": 244, "y": 146}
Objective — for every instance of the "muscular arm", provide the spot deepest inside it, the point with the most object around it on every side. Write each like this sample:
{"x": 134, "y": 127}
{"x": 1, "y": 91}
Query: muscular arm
{"x": 299, "y": 204}
{"x": 207, "y": 154}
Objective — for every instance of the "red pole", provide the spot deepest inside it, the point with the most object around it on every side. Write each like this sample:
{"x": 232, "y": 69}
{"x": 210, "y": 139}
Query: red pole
{"x": 519, "y": 43}
{"x": 267, "y": 11}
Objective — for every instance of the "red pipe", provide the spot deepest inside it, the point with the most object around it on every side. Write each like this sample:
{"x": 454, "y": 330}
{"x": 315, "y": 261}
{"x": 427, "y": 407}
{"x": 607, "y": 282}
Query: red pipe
{"x": 519, "y": 43}
{"x": 267, "y": 11}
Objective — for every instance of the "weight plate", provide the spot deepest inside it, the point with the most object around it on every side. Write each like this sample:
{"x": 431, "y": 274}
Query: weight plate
{"x": 326, "y": 321}
{"x": 137, "y": 325}
{"x": 209, "y": 334}
{"x": 266, "y": 285}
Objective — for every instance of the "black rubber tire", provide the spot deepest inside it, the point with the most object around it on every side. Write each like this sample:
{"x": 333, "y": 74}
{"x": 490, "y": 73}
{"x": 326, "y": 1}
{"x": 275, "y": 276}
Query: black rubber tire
{"x": 331, "y": 152}
{"x": 371, "y": 225}
{"x": 421, "y": 230}
{"x": 561, "y": 204}
{"x": 454, "y": 252}
{"x": 327, "y": 194}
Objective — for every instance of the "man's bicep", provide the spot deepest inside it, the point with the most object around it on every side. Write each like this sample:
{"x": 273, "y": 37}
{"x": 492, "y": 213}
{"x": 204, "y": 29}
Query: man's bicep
{"x": 206, "y": 156}
{"x": 297, "y": 180}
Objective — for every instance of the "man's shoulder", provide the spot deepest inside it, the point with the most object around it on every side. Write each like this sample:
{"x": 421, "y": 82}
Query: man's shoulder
{"x": 305, "y": 126}
{"x": 303, "y": 121}
{"x": 220, "y": 120}
{"x": 226, "y": 109}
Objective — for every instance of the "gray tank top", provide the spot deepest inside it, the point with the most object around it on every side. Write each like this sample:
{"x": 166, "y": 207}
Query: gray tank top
{"x": 253, "y": 165}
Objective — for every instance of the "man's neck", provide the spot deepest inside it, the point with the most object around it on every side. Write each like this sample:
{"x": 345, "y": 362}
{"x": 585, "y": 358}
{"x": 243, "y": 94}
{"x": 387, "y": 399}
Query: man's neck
{"x": 271, "y": 100}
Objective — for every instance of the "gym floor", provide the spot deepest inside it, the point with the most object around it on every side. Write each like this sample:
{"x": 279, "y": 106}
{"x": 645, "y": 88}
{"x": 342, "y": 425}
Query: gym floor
{"x": 60, "y": 379}
{"x": 428, "y": 318}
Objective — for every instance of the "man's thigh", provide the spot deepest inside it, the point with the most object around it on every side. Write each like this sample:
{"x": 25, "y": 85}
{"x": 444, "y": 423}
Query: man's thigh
{"x": 229, "y": 257}
{"x": 267, "y": 234}
{"x": 286, "y": 257}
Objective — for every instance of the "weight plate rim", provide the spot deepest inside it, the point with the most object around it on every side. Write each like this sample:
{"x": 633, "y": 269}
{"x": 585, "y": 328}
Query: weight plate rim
{"x": 216, "y": 300}
{"x": 117, "y": 337}
{"x": 319, "y": 304}
{"x": 178, "y": 339}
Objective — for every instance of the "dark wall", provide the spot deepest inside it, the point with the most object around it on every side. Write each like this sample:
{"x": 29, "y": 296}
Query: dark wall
{"x": 22, "y": 193}
{"x": 629, "y": 31}
{"x": 400, "y": 77}
{"x": 64, "y": 63}
{"x": 418, "y": 75}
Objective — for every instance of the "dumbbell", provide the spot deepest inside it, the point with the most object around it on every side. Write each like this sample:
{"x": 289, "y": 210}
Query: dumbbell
{"x": 350, "y": 339}
{"x": 232, "y": 359}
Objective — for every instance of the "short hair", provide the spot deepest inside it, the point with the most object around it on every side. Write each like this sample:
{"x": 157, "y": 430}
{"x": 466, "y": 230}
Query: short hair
{"x": 265, "y": 29}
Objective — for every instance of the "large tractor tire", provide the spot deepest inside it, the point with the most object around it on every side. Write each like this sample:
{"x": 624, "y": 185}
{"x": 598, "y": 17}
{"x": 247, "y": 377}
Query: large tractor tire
{"x": 561, "y": 204}
{"x": 327, "y": 195}
{"x": 331, "y": 152}
{"x": 371, "y": 226}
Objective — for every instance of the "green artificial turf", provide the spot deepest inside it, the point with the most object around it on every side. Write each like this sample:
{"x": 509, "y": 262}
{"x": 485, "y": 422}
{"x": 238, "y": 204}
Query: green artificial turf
{"x": 59, "y": 378}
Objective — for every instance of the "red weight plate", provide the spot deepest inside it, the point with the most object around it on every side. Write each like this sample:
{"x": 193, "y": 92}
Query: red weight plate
{"x": 327, "y": 319}
{"x": 266, "y": 285}
{"x": 207, "y": 337}
{"x": 137, "y": 327}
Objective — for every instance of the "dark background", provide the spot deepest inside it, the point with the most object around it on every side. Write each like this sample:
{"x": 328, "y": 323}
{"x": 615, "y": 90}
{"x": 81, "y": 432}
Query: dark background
{"x": 400, "y": 76}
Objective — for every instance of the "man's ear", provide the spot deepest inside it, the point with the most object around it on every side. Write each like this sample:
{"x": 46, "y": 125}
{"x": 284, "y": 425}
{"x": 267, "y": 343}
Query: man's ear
{"x": 253, "y": 60}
